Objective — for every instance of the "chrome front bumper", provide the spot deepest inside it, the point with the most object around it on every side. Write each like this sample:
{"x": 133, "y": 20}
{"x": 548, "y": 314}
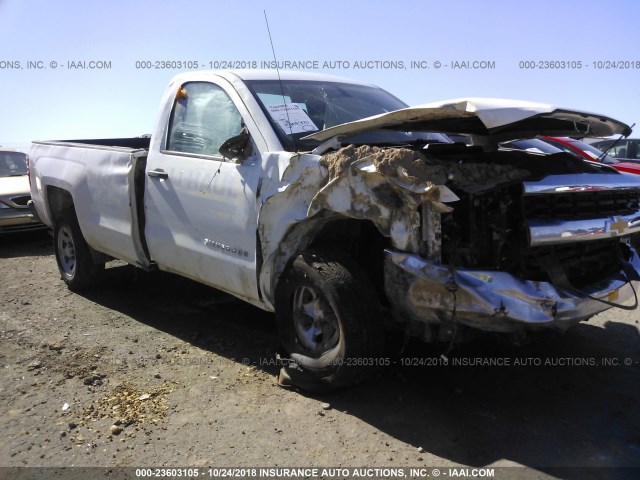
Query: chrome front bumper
{"x": 422, "y": 291}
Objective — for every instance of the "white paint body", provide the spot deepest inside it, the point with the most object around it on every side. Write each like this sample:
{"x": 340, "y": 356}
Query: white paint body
{"x": 218, "y": 222}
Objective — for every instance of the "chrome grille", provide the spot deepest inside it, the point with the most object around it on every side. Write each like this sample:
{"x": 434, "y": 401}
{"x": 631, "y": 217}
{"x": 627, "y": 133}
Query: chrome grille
{"x": 581, "y": 205}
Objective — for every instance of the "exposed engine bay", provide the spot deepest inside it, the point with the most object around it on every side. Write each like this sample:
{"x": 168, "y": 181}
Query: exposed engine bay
{"x": 456, "y": 208}
{"x": 489, "y": 226}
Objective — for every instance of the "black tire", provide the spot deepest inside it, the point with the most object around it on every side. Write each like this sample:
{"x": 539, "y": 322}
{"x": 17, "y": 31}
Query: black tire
{"x": 73, "y": 255}
{"x": 329, "y": 321}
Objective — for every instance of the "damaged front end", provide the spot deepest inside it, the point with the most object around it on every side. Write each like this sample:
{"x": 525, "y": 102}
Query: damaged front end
{"x": 490, "y": 300}
{"x": 486, "y": 237}
{"x": 499, "y": 241}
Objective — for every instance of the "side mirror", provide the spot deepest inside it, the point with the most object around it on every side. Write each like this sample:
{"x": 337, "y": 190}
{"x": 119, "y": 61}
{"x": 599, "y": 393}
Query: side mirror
{"x": 236, "y": 148}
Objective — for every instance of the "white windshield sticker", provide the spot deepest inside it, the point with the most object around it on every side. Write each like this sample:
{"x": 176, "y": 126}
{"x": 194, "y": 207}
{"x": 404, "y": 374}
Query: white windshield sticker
{"x": 292, "y": 118}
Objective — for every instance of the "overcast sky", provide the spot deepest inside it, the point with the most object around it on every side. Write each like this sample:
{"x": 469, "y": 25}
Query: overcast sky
{"x": 397, "y": 45}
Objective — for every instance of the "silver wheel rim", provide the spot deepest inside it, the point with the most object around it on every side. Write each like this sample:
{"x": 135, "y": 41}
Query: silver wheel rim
{"x": 66, "y": 251}
{"x": 316, "y": 323}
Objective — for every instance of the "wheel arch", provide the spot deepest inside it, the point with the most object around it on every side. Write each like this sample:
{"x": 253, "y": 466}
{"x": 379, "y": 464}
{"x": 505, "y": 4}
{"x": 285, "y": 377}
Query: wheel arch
{"x": 360, "y": 239}
{"x": 59, "y": 201}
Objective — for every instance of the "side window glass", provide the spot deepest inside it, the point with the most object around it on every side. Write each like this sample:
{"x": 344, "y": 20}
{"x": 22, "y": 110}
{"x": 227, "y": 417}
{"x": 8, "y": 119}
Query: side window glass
{"x": 620, "y": 150}
{"x": 203, "y": 118}
{"x": 563, "y": 147}
{"x": 604, "y": 146}
{"x": 634, "y": 149}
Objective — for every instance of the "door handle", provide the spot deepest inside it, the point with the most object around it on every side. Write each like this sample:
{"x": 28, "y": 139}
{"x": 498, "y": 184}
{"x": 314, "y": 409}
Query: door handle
{"x": 158, "y": 174}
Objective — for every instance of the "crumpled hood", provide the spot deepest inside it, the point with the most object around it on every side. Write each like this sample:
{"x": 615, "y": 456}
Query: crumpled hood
{"x": 500, "y": 119}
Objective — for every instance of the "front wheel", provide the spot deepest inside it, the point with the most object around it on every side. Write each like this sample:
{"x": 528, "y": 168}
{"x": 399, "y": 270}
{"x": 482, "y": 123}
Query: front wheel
{"x": 329, "y": 321}
{"x": 73, "y": 255}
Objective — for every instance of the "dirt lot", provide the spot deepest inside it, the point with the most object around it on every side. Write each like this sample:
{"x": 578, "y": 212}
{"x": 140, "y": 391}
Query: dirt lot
{"x": 153, "y": 370}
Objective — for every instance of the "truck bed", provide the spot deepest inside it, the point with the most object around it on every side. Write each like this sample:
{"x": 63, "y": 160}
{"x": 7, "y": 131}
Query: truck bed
{"x": 105, "y": 178}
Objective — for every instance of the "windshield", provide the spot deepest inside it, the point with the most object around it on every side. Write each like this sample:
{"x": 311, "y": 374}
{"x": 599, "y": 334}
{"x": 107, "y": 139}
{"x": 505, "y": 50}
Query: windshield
{"x": 13, "y": 164}
{"x": 531, "y": 145}
{"x": 593, "y": 152}
{"x": 297, "y": 108}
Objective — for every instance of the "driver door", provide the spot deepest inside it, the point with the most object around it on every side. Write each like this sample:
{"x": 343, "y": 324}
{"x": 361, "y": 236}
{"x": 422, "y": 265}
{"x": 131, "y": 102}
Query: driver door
{"x": 201, "y": 213}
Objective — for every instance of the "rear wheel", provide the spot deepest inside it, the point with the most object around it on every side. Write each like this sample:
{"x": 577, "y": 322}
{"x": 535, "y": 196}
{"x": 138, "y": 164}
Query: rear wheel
{"x": 73, "y": 255}
{"x": 329, "y": 321}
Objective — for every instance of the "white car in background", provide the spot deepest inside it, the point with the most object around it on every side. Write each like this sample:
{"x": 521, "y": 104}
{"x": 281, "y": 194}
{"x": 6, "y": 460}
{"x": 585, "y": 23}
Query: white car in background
{"x": 15, "y": 193}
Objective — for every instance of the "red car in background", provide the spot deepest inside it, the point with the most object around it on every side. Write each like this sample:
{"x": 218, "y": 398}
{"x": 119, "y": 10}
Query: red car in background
{"x": 588, "y": 152}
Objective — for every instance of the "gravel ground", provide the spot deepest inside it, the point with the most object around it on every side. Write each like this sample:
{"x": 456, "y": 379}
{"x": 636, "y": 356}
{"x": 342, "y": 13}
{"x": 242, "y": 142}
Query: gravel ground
{"x": 153, "y": 370}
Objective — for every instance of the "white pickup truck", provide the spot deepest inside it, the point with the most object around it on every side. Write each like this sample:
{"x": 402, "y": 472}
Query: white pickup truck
{"x": 331, "y": 203}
